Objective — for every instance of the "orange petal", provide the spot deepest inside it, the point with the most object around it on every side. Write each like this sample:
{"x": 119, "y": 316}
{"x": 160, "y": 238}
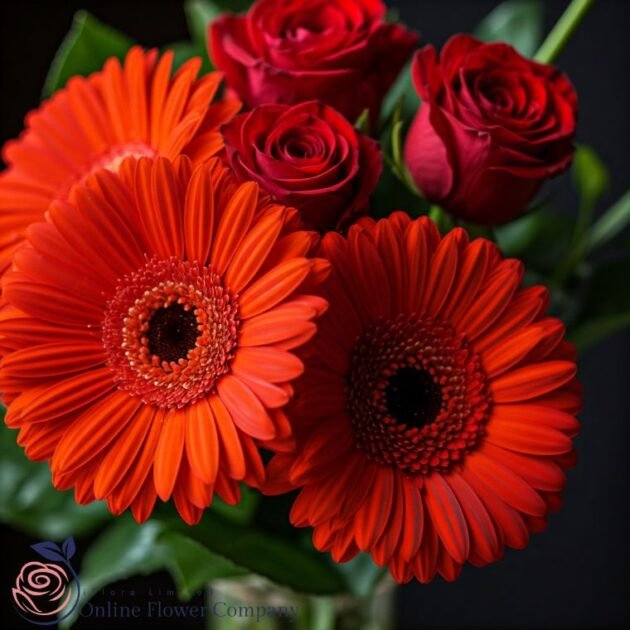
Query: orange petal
{"x": 168, "y": 453}
{"x": 253, "y": 250}
{"x": 122, "y": 453}
{"x": 199, "y": 215}
{"x": 94, "y": 430}
{"x": 267, "y": 364}
{"x": 531, "y": 381}
{"x": 234, "y": 224}
{"x": 275, "y": 286}
{"x": 447, "y": 517}
{"x": 202, "y": 443}
{"x": 245, "y": 408}
{"x": 232, "y": 458}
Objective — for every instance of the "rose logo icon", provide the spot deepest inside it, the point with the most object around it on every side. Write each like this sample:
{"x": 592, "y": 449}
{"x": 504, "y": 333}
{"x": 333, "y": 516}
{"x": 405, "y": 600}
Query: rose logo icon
{"x": 47, "y": 592}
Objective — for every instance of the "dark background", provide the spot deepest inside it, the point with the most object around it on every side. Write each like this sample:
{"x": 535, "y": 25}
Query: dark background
{"x": 575, "y": 574}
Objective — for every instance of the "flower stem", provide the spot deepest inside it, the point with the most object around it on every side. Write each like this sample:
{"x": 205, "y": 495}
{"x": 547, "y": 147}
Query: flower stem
{"x": 562, "y": 31}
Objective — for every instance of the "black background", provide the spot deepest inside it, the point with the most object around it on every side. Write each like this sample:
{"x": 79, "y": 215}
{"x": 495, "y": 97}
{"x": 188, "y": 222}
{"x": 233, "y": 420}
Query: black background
{"x": 575, "y": 574}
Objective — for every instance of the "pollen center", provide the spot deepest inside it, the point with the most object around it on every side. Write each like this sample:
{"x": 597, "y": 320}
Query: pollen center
{"x": 170, "y": 332}
{"x": 417, "y": 395}
{"x": 413, "y": 397}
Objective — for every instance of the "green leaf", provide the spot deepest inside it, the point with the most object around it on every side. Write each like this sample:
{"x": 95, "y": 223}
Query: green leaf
{"x": 84, "y": 50}
{"x": 199, "y": 15}
{"x": 591, "y": 180}
{"x": 516, "y": 22}
{"x": 396, "y": 160}
{"x": 590, "y": 176}
{"x": 391, "y": 195}
{"x": 541, "y": 239}
{"x": 192, "y": 565}
{"x": 287, "y": 563}
{"x": 610, "y": 224}
{"x": 362, "y": 123}
{"x": 243, "y": 512}
{"x": 516, "y": 237}
{"x": 28, "y": 500}
{"x": 402, "y": 99}
{"x": 127, "y": 549}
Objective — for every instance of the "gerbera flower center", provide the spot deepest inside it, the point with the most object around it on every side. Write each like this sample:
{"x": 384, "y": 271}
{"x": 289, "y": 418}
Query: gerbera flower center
{"x": 413, "y": 397}
{"x": 170, "y": 332}
{"x": 417, "y": 394}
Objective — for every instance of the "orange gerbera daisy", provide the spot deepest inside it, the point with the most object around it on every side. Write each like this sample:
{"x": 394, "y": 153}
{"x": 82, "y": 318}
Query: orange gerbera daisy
{"x": 136, "y": 109}
{"x": 149, "y": 334}
{"x": 435, "y": 415}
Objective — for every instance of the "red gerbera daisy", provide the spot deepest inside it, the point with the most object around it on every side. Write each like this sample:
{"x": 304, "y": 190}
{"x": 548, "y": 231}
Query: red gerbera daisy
{"x": 435, "y": 415}
{"x": 136, "y": 109}
{"x": 149, "y": 334}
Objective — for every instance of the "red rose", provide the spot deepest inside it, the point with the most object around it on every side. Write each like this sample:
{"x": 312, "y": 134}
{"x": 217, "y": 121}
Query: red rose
{"x": 288, "y": 51}
{"x": 307, "y": 156}
{"x": 492, "y": 127}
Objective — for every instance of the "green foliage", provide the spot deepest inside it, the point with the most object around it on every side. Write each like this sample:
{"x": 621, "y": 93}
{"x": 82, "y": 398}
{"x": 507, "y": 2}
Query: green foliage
{"x": 540, "y": 238}
{"x": 123, "y": 550}
{"x": 199, "y": 15}
{"x": 362, "y": 123}
{"x": 361, "y": 574}
{"x": 610, "y": 224}
{"x": 284, "y": 562}
{"x": 84, "y": 50}
{"x": 242, "y": 512}
{"x": 127, "y": 549}
{"x": 29, "y": 502}
{"x": 516, "y": 22}
{"x": 402, "y": 98}
{"x": 590, "y": 176}
{"x": 192, "y": 565}
{"x": 590, "y": 179}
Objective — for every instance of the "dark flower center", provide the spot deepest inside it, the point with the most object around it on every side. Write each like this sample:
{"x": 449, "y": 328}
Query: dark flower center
{"x": 413, "y": 397}
{"x": 417, "y": 394}
{"x": 172, "y": 332}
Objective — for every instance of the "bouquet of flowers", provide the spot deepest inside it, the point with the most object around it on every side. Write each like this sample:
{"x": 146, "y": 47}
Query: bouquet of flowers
{"x": 288, "y": 304}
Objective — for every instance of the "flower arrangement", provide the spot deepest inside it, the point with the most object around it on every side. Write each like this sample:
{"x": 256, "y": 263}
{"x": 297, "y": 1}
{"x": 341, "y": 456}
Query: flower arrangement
{"x": 281, "y": 279}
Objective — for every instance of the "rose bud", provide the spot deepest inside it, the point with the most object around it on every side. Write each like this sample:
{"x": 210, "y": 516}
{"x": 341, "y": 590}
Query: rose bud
{"x": 492, "y": 127}
{"x": 341, "y": 52}
{"x": 307, "y": 156}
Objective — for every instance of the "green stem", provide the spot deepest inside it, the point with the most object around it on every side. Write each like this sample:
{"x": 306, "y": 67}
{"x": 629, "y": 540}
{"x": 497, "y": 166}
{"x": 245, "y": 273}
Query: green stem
{"x": 443, "y": 221}
{"x": 436, "y": 214}
{"x": 562, "y": 31}
{"x": 323, "y": 609}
